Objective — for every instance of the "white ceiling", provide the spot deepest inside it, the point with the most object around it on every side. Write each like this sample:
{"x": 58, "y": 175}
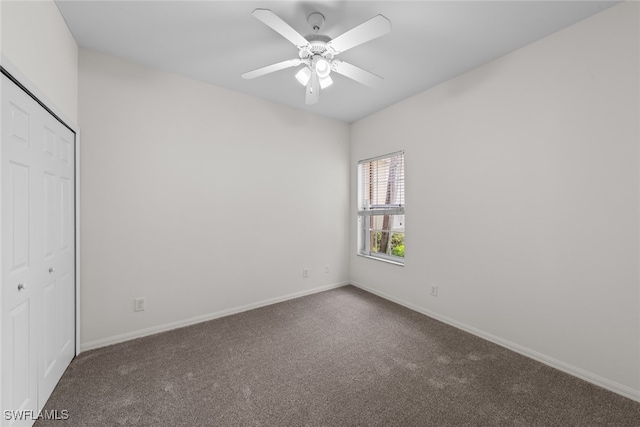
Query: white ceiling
{"x": 216, "y": 41}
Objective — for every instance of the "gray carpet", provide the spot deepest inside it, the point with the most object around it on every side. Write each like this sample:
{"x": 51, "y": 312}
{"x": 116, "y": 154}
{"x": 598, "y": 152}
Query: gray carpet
{"x": 338, "y": 358}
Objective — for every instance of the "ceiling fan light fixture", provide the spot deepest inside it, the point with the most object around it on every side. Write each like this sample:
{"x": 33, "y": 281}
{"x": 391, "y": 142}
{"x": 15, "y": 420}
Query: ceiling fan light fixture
{"x": 303, "y": 76}
{"x": 323, "y": 68}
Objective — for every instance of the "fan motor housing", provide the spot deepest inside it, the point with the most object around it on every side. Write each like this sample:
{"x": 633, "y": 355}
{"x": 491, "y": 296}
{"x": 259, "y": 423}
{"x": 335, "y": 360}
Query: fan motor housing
{"x": 317, "y": 46}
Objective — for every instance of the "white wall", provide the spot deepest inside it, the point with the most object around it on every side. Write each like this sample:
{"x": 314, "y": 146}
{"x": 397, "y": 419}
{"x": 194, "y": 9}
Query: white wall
{"x": 522, "y": 199}
{"x": 200, "y": 199}
{"x": 37, "y": 41}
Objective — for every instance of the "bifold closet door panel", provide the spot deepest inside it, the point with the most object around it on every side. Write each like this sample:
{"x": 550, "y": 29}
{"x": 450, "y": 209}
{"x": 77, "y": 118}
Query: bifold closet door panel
{"x": 57, "y": 255}
{"x": 21, "y": 235}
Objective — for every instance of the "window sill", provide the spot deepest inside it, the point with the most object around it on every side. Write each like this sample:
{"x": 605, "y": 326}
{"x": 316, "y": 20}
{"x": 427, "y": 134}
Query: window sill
{"x": 388, "y": 261}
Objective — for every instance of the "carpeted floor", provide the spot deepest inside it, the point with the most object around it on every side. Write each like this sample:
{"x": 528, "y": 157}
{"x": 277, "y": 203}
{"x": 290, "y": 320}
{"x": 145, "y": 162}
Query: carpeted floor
{"x": 338, "y": 358}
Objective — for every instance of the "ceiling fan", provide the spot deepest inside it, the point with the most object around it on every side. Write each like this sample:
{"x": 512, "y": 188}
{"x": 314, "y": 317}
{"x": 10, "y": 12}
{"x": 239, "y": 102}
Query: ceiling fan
{"x": 317, "y": 52}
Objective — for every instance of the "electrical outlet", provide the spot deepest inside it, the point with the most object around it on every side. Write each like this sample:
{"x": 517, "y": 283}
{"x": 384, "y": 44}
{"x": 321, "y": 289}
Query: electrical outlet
{"x": 434, "y": 290}
{"x": 139, "y": 304}
{"x": 326, "y": 269}
{"x": 305, "y": 273}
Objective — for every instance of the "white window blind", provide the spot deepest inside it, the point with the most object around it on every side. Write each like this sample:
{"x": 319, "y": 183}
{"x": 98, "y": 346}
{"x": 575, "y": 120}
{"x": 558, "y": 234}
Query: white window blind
{"x": 381, "y": 182}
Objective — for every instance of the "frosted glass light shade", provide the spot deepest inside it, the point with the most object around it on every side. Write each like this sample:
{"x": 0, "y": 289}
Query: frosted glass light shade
{"x": 303, "y": 76}
{"x": 325, "y": 82}
{"x": 323, "y": 68}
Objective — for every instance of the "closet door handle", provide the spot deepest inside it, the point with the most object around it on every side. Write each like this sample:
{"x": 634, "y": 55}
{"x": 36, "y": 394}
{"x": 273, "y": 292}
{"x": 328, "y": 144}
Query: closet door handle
{"x": 51, "y": 270}
{"x": 20, "y": 286}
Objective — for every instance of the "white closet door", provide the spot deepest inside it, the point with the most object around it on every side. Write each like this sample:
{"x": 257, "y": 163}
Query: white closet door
{"x": 21, "y": 236}
{"x": 37, "y": 251}
{"x": 57, "y": 255}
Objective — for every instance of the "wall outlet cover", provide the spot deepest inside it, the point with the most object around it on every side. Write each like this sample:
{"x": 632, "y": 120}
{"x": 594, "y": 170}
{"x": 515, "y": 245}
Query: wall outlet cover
{"x": 139, "y": 304}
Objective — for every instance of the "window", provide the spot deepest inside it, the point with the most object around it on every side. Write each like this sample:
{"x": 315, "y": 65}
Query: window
{"x": 381, "y": 207}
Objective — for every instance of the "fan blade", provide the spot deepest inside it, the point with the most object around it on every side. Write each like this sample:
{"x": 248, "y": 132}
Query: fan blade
{"x": 271, "y": 68}
{"x": 369, "y": 30}
{"x": 281, "y": 27}
{"x": 313, "y": 89}
{"x": 356, "y": 73}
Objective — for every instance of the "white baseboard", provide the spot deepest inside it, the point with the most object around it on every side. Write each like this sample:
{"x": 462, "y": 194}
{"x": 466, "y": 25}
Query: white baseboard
{"x": 193, "y": 320}
{"x": 547, "y": 360}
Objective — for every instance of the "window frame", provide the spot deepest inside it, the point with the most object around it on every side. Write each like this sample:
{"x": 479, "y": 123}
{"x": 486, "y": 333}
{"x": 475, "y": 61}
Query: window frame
{"x": 365, "y": 211}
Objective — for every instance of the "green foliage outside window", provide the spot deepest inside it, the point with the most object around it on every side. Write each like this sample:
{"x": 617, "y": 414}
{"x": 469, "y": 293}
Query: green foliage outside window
{"x": 397, "y": 243}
